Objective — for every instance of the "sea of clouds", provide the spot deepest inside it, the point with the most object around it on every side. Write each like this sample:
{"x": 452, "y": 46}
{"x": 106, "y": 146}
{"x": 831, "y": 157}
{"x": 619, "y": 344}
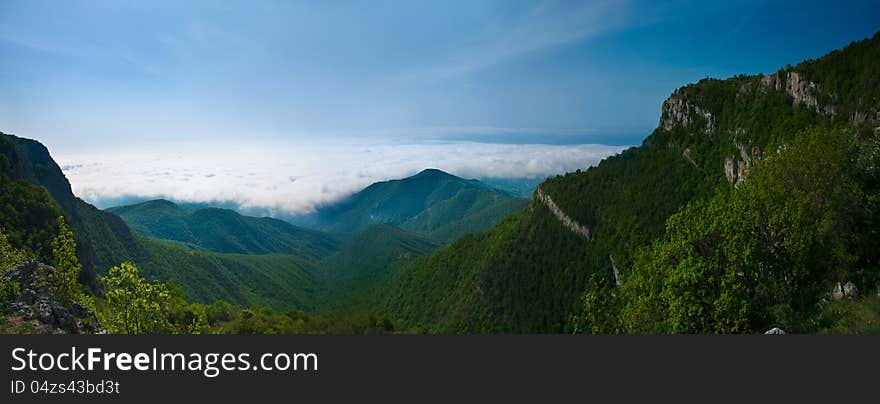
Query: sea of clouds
{"x": 290, "y": 178}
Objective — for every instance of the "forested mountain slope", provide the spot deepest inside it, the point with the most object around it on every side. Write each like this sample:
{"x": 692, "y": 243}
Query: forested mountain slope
{"x": 223, "y": 230}
{"x": 103, "y": 239}
{"x": 365, "y": 260}
{"x": 34, "y": 192}
{"x": 280, "y": 281}
{"x": 531, "y": 273}
{"x": 432, "y": 203}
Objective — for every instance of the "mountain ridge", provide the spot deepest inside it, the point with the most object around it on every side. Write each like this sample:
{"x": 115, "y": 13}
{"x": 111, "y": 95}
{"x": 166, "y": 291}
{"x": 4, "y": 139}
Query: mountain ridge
{"x": 36, "y": 190}
{"x": 412, "y": 202}
{"x": 224, "y": 230}
{"x": 530, "y": 273}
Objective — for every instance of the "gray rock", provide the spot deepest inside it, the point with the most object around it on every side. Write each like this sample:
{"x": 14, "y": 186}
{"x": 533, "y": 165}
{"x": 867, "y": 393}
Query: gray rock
{"x": 775, "y": 331}
{"x": 28, "y": 274}
{"x": 843, "y": 291}
{"x": 44, "y": 311}
{"x": 730, "y": 169}
{"x": 21, "y": 309}
{"x": 837, "y": 293}
{"x": 566, "y": 220}
{"x": 801, "y": 90}
{"x": 28, "y": 296}
{"x": 77, "y": 309}
{"x": 677, "y": 111}
{"x": 64, "y": 320}
{"x": 850, "y": 290}
{"x": 35, "y": 302}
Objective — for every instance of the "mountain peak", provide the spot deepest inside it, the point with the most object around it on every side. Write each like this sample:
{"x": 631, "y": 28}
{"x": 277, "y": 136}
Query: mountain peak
{"x": 161, "y": 202}
{"x": 432, "y": 200}
{"x": 433, "y": 172}
{"x": 151, "y": 205}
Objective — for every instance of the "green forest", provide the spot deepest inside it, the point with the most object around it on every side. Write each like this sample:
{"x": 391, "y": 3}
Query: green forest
{"x": 696, "y": 252}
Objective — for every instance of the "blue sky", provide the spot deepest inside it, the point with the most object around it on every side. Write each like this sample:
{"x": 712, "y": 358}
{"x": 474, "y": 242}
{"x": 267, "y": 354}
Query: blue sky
{"x": 119, "y": 71}
{"x": 83, "y": 76}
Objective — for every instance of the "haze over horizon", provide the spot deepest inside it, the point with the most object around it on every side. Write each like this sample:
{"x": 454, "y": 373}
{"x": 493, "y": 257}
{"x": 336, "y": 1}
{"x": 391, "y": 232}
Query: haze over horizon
{"x": 285, "y": 105}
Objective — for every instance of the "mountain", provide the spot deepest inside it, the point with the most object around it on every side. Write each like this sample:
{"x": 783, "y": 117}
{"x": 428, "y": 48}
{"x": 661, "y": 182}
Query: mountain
{"x": 432, "y": 203}
{"x": 365, "y": 260}
{"x": 280, "y": 281}
{"x": 754, "y": 198}
{"x": 103, "y": 239}
{"x": 216, "y": 254}
{"x": 754, "y": 204}
{"x": 34, "y": 192}
{"x": 223, "y": 230}
{"x": 521, "y": 187}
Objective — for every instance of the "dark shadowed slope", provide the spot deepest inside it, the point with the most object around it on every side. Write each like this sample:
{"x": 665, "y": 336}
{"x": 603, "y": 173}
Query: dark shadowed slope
{"x": 366, "y": 259}
{"x": 103, "y": 239}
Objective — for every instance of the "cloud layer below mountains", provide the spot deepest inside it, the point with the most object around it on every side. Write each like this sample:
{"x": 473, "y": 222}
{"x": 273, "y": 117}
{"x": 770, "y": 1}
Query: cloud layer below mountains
{"x": 293, "y": 178}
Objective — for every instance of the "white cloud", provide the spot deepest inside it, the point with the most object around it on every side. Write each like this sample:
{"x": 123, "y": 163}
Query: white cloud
{"x": 290, "y": 178}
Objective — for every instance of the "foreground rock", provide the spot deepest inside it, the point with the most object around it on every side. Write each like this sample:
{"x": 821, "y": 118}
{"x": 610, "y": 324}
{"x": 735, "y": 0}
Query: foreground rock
{"x": 844, "y": 291}
{"x": 34, "y": 309}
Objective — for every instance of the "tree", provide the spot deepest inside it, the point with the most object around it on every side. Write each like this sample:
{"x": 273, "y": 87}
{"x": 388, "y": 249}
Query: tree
{"x": 185, "y": 317}
{"x": 134, "y": 305}
{"x": 759, "y": 256}
{"x": 9, "y": 256}
{"x": 63, "y": 280}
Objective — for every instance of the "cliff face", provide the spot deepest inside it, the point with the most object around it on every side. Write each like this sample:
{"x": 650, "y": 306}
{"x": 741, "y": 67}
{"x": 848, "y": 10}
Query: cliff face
{"x": 722, "y": 127}
{"x": 801, "y": 90}
{"x": 103, "y": 239}
{"x": 677, "y": 111}
{"x": 737, "y": 167}
{"x": 710, "y": 113}
{"x": 686, "y": 108}
{"x": 31, "y": 162}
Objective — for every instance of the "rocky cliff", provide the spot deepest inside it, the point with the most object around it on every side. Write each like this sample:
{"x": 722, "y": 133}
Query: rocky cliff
{"x": 710, "y": 109}
{"x": 801, "y": 90}
{"x": 677, "y": 111}
{"x": 34, "y": 309}
{"x": 103, "y": 239}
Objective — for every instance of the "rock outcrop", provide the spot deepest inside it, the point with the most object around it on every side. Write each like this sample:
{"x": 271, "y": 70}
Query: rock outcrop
{"x": 801, "y": 90}
{"x": 730, "y": 170}
{"x": 617, "y": 280}
{"x": 860, "y": 117}
{"x": 678, "y": 111}
{"x": 34, "y": 304}
{"x": 687, "y": 154}
{"x": 567, "y": 221}
{"x": 844, "y": 291}
{"x": 737, "y": 167}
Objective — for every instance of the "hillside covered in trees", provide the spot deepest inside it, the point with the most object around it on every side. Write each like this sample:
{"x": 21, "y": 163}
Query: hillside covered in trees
{"x": 262, "y": 273}
{"x": 223, "y": 230}
{"x": 753, "y": 201}
{"x": 432, "y": 203}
